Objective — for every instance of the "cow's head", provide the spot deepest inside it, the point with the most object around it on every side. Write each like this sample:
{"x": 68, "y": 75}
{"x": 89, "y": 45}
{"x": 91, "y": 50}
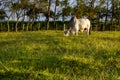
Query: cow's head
{"x": 71, "y": 27}
{"x": 68, "y": 32}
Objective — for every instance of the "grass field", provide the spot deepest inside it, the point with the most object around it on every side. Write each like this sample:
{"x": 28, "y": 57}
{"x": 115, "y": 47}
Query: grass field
{"x": 48, "y": 55}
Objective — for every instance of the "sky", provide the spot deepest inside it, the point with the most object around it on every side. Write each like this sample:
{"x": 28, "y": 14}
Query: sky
{"x": 71, "y": 2}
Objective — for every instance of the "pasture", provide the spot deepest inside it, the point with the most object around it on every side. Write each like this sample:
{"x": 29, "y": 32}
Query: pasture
{"x": 48, "y": 55}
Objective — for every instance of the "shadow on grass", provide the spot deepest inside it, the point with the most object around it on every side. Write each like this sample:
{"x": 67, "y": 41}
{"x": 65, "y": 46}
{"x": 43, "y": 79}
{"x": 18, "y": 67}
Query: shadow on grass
{"x": 38, "y": 68}
{"x": 48, "y": 66}
{"x": 110, "y": 39}
{"x": 14, "y": 76}
{"x": 11, "y": 75}
{"x": 27, "y": 69}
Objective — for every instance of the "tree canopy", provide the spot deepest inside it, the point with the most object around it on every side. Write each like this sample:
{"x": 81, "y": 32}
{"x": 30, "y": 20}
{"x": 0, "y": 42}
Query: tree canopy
{"x": 32, "y": 10}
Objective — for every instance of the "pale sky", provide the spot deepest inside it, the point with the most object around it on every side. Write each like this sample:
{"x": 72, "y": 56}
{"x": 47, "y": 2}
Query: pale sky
{"x": 71, "y": 3}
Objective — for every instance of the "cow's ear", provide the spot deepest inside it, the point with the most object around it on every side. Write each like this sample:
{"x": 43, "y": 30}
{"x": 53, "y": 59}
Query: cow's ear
{"x": 75, "y": 18}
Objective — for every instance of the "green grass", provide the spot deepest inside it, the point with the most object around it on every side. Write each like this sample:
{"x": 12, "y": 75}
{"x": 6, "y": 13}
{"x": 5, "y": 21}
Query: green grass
{"x": 48, "y": 55}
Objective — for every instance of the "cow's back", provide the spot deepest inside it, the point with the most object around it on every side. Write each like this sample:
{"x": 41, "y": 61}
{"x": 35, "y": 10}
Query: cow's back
{"x": 88, "y": 23}
{"x": 84, "y": 23}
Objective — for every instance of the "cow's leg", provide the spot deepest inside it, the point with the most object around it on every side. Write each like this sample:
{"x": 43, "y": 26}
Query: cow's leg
{"x": 88, "y": 31}
{"x": 76, "y": 32}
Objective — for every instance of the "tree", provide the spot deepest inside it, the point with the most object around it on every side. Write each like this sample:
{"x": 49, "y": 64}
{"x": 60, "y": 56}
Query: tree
{"x": 41, "y": 9}
{"x": 99, "y": 13}
{"x": 2, "y": 17}
{"x": 117, "y": 12}
{"x": 48, "y": 15}
{"x": 56, "y": 4}
{"x": 107, "y": 12}
{"x": 2, "y": 14}
{"x": 7, "y": 7}
{"x": 66, "y": 10}
{"x": 79, "y": 9}
{"x": 24, "y": 7}
{"x": 18, "y": 11}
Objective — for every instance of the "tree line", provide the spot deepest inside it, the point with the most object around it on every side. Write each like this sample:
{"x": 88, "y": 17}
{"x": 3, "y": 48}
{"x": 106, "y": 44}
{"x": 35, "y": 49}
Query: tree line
{"x": 104, "y": 14}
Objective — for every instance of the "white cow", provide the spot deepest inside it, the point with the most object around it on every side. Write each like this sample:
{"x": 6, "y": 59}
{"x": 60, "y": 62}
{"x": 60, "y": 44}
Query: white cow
{"x": 75, "y": 25}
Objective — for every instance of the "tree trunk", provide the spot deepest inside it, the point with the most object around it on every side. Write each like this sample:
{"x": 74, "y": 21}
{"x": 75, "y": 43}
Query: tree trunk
{"x": 27, "y": 28}
{"x": 119, "y": 22}
{"x": 8, "y": 25}
{"x": 22, "y": 24}
{"x": 63, "y": 20}
{"x": 106, "y": 16}
{"x": 23, "y": 27}
{"x": 8, "y": 22}
{"x": 38, "y": 26}
{"x": 31, "y": 26}
{"x": 112, "y": 15}
{"x": 47, "y": 24}
{"x": 16, "y": 25}
{"x": 0, "y": 26}
{"x": 55, "y": 15}
{"x": 48, "y": 15}
{"x": 105, "y": 24}
{"x": 111, "y": 23}
{"x": 98, "y": 22}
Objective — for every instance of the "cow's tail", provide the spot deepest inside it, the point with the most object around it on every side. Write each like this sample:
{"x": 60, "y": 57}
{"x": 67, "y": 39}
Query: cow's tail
{"x": 89, "y": 32}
